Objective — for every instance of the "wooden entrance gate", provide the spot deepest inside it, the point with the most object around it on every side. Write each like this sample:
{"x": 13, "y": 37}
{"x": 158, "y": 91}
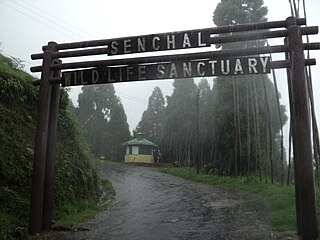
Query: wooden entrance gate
{"x": 183, "y": 65}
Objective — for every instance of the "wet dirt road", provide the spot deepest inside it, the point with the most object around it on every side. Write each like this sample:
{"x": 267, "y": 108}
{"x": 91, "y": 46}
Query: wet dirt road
{"x": 151, "y": 205}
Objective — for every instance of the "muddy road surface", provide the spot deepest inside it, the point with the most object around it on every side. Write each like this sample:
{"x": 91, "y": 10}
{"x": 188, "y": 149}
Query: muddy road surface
{"x": 154, "y": 206}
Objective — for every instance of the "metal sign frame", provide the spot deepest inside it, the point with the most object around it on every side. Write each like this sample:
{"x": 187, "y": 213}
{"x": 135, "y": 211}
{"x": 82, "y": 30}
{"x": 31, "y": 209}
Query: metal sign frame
{"x": 190, "y": 65}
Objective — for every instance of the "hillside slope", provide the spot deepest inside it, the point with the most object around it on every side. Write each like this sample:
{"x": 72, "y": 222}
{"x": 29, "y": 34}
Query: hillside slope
{"x": 75, "y": 180}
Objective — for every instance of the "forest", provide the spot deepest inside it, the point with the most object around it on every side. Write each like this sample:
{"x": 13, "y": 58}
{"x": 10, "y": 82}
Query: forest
{"x": 230, "y": 126}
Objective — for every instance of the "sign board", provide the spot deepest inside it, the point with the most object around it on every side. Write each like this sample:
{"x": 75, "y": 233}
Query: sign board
{"x": 168, "y": 70}
{"x": 160, "y": 42}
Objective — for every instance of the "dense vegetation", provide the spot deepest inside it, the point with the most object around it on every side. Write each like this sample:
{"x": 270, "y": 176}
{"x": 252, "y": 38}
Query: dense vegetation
{"x": 233, "y": 126}
{"x": 196, "y": 125}
{"x": 76, "y": 183}
{"x": 100, "y": 113}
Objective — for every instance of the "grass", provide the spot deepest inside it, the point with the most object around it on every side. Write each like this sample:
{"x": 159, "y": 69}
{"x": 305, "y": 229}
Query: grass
{"x": 280, "y": 198}
{"x": 77, "y": 212}
{"x": 80, "y": 210}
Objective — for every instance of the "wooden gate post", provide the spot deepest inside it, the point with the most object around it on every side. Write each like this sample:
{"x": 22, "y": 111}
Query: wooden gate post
{"x": 41, "y": 138}
{"x": 295, "y": 163}
{"x": 51, "y": 149}
{"x": 302, "y": 135}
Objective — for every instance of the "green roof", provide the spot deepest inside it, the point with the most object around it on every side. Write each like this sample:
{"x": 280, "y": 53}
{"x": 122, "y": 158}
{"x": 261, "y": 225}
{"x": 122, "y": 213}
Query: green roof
{"x": 139, "y": 140}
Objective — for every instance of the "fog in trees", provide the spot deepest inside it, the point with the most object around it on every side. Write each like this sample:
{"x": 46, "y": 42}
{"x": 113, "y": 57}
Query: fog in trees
{"x": 231, "y": 128}
{"x": 152, "y": 118}
{"x": 101, "y": 114}
{"x": 245, "y": 107}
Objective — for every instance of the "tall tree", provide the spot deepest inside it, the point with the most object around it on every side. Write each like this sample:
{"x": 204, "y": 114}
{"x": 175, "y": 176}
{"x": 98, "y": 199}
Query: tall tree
{"x": 101, "y": 115}
{"x": 231, "y": 12}
{"x": 117, "y": 132}
{"x": 152, "y": 118}
{"x": 206, "y": 125}
{"x": 232, "y": 116}
{"x": 179, "y": 128}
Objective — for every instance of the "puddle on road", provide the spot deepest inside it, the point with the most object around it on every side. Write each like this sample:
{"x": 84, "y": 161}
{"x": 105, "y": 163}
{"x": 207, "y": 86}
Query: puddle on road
{"x": 223, "y": 203}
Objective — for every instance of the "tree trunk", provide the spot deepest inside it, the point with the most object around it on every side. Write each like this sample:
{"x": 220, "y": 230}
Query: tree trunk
{"x": 239, "y": 126}
{"x": 280, "y": 120}
{"x": 268, "y": 127}
{"x": 254, "y": 129}
{"x": 235, "y": 131}
{"x": 197, "y": 131}
{"x": 248, "y": 130}
{"x": 257, "y": 128}
{"x": 289, "y": 154}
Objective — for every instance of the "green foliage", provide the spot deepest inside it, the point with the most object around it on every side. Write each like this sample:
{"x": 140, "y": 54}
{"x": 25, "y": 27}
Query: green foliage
{"x": 101, "y": 115}
{"x": 232, "y": 12}
{"x": 179, "y": 128}
{"x": 79, "y": 210}
{"x": 223, "y": 105}
{"x": 13, "y": 211}
{"x": 17, "y": 125}
{"x": 241, "y": 118}
{"x": 152, "y": 118}
{"x": 74, "y": 164}
{"x": 226, "y": 127}
{"x": 75, "y": 176}
{"x": 117, "y": 133}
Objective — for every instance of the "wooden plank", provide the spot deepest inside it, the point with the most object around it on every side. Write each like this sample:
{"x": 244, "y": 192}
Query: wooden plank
{"x": 214, "y": 30}
{"x": 168, "y": 58}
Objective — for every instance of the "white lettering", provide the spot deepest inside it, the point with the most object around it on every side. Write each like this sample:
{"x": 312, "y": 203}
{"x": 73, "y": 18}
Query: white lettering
{"x": 67, "y": 78}
{"x": 264, "y": 62}
{"x": 171, "y": 42}
{"x": 160, "y": 70}
{"x": 213, "y": 62}
{"x": 109, "y": 76}
{"x": 186, "y": 41}
{"x": 223, "y": 70}
{"x": 200, "y": 43}
{"x": 238, "y": 67}
{"x": 252, "y": 65}
{"x": 114, "y": 47}
{"x": 142, "y": 72}
{"x": 173, "y": 71}
{"x": 187, "y": 69}
{"x": 199, "y": 71}
{"x": 81, "y": 78}
{"x": 141, "y": 45}
{"x": 127, "y": 46}
{"x": 94, "y": 76}
{"x": 129, "y": 70}
{"x": 154, "y": 40}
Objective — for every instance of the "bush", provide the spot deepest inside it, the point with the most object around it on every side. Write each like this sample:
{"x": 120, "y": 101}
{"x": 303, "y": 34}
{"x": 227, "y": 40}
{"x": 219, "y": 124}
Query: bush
{"x": 75, "y": 178}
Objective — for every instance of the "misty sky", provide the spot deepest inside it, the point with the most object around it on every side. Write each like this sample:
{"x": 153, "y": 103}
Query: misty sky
{"x": 27, "y": 25}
